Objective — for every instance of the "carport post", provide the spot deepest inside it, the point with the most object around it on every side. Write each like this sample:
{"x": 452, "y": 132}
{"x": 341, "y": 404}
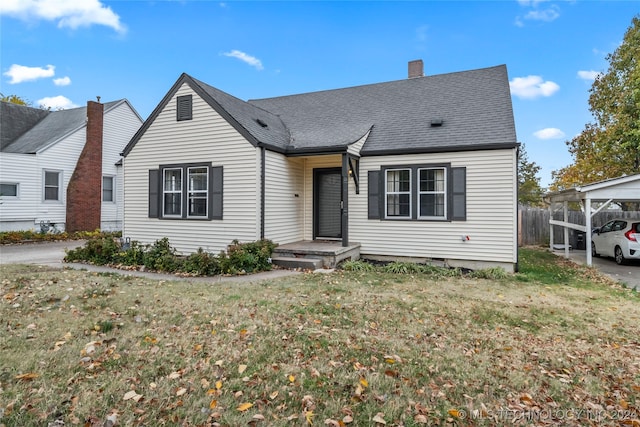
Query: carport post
{"x": 565, "y": 209}
{"x": 551, "y": 226}
{"x": 587, "y": 214}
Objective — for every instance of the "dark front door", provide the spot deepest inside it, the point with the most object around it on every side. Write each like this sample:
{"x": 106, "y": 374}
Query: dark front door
{"x": 327, "y": 197}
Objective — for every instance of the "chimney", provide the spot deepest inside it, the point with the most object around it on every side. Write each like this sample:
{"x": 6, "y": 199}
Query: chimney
{"x": 416, "y": 69}
{"x": 84, "y": 192}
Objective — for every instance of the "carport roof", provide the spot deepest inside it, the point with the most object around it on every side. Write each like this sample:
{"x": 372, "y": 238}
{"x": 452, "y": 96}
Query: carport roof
{"x": 622, "y": 189}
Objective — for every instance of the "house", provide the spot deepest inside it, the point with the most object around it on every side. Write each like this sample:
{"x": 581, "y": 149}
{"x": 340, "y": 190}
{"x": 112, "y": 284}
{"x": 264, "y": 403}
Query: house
{"x": 424, "y": 167}
{"x": 62, "y": 170}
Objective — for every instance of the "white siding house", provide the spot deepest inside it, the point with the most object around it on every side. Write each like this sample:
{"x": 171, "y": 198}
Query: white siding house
{"x": 424, "y": 168}
{"x": 39, "y": 154}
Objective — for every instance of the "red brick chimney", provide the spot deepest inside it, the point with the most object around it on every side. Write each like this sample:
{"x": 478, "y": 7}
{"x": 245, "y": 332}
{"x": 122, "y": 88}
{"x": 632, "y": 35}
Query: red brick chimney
{"x": 416, "y": 68}
{"x": 84, "y": 193}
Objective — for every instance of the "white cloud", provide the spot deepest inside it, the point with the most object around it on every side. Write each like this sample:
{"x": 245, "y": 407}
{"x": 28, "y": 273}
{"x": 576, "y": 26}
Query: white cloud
{"x": 549, "y": 133}
{"x": 546, "y": 15}
{"x": 251, "y": 60}
{"x": 421, "y": 33}
{"x": 67, "y": 13}
{"x": 532, "y": 87}
{"x": 62, "y": 81}
{"x": 56, "y": 103}
{"x": 589, "y": 75}
{"x": 21, "y": 73}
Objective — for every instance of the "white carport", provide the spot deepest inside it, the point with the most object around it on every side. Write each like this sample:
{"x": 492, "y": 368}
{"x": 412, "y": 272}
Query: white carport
{"x": 623, "y": 189}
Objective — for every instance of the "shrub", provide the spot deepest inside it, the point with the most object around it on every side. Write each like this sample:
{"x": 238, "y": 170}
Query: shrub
{"x": 160, "y": 256}
{"x": 493, "y": 273}
{"x": 97, "y": 251}
{"x": 247, "y": 257}
{"x": 202, "y": 263}
{"x": 403, "y": 267}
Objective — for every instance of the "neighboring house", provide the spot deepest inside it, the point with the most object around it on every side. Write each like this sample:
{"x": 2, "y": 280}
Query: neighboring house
{"x": 62, "y": 169}
{"x": 424, "y": 167}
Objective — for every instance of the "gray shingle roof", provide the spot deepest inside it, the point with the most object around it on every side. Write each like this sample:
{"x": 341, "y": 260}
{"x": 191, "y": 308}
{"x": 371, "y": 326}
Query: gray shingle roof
{"x": 475, "y": 107}
{"x": 53, "y": 126}
{"x": 15, "y": 120}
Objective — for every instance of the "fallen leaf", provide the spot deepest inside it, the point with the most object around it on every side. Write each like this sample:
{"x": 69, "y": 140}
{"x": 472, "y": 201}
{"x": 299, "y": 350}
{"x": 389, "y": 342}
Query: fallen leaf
{"x": 454, "y": 413}
{"x": 242, "y": 368}
{"x": 244, "y": 406}
{"x": 420, "y": 419}
{"x": 348, "y": 419}
{"x": 174, "y": 375}
{"x": 27, "y": 377}
{"x": 364, "y": 382}
{"x": 132, "y": 395}
{"x": 379, "y": 418}
{"x": 258, "y": 417}
{"x": 273, "y": 395}
{"x": 181, "y": 391}
{"x": 213, "y": 404}
{"x": 292, "y": 378}
{"x": 330, "y": 422}
{"x": 218, "y": 385}
{"x": 308, "y": 415}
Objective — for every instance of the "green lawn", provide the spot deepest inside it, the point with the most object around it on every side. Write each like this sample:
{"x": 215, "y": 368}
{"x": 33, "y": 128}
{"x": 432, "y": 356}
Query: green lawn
{"x": 555, "y": 343}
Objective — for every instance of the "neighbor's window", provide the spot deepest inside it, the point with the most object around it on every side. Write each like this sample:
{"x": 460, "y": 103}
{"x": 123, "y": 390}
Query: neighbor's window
{"x": 52, "y": 185}
{"x": 107, "y": 189}
{"x": 172, "y": 192}
{"x": 8, "y": 190}
{"x": 432, "y": 193}
{"x": 398, "y": 196}
{"x": 198, "y": 191}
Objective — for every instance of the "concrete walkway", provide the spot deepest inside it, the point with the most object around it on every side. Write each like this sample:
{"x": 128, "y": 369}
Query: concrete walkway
{"x": 52, "y": 253}
{"x": 629, "y": 275}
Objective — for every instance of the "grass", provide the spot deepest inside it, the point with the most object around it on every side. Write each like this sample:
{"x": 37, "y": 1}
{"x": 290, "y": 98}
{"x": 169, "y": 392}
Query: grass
{"x": 555, "y": 343}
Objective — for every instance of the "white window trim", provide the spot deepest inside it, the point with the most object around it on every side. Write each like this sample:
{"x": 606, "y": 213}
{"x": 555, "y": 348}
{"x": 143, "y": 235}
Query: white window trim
{"x": 59, "y": 200}
{"x": 113, "y": 189}
{"x": 387, "y": 193}
{"x": 190, "y": 191}
{"x": 16, "y": 197}
{"x": 444, "y": 193}
{"x": 178, "y": 191}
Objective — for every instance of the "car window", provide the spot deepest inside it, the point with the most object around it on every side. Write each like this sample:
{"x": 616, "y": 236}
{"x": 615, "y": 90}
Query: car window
{"x": 619, "y": 225}
{"x": 636, "y": 227}
{"x": 607, "y": 227}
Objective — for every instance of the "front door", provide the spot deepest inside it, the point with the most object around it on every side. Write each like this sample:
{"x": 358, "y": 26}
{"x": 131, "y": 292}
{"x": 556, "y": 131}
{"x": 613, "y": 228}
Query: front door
{"x": 327, "y": 199}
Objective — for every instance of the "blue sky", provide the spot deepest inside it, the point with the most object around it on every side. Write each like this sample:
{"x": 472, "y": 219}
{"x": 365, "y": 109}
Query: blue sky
{"x": 64, "y": 52}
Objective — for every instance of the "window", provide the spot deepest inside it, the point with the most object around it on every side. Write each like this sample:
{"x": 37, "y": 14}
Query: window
{"x": 184, "y": 107}
{"x": 107, "y": 189}
{"x": 398, "y": 193}
{"x": 187, "y": 191}
{"x": 8, "y": 190}
{"x": 198, "y": 192}
{"x": 432, "y": 193}
{"x": 52, "y": 185}
{"x": 172, "y": 192}
{"x": 417, "y": 192}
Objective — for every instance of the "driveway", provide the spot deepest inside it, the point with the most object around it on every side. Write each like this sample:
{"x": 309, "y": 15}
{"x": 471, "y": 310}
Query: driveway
{"x": 627, "y": 274}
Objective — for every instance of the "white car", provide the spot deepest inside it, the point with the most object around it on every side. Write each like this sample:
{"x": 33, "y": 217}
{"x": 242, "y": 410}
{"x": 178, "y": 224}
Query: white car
{"x": 618, "y": 238}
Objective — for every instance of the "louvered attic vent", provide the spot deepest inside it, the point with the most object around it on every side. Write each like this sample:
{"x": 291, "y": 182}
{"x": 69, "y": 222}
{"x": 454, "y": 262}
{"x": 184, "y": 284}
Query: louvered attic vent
{"x": 184, "y": 108}
{"x": 436, "y": 123}
{"x": 261, "y": 123}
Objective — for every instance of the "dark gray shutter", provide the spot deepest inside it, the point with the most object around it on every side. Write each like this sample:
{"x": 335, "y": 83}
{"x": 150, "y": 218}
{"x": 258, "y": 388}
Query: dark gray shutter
{"x": 184, "y": 108}
{"x": 154, "y": 193}
{"x": 374, "y": 196}
{"x": 215, "y": 184}
{"x": 459, "y": 194}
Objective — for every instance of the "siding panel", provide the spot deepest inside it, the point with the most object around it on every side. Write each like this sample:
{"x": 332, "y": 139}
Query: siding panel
{"x": 284, "y": 191}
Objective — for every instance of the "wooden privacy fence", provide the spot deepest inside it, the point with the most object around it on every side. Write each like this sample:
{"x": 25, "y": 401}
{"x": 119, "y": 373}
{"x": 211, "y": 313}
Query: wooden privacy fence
{"x": 533, "y": 225}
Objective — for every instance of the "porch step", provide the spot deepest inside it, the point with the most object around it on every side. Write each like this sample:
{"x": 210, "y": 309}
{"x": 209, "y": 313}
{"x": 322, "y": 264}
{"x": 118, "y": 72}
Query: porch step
{"x": 293, "y": 262}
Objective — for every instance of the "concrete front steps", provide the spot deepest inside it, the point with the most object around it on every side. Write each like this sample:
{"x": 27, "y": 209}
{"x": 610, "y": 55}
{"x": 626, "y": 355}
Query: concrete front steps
{"x": 313, "y": 255}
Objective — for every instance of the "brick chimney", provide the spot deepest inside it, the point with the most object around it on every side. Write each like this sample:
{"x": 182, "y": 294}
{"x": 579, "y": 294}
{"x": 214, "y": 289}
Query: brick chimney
{"x": 84, "y": 193}
{"x": 416, "y": 69}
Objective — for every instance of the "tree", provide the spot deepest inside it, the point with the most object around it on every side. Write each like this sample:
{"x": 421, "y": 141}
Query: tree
{"x": 610, "y": 147}
{"x": 529, "y": 190}
{"x": 14, "y": 99}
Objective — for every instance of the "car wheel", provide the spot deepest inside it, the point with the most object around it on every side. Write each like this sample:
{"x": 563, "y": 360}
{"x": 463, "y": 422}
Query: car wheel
{"x": 619, "y": 256}
{"x": 593, "y": 250}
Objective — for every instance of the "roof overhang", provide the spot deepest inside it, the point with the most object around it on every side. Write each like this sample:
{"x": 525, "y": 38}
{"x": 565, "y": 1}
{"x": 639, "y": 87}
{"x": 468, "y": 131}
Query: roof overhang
{"x": 622, "y": 189}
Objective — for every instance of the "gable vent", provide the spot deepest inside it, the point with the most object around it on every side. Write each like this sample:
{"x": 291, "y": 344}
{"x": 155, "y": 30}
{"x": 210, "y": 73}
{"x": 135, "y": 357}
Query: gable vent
{"x": 435, "y": 123}
{"x": 184, "y": 108}
{"x": 261, "y": 123}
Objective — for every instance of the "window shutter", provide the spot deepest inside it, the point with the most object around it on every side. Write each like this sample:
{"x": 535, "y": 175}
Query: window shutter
{"x": 154, "y": 193}
{"x": 216, "y": 184}
{"x": 459, "y": 194}
{"x": 184, "y": 108}
{"x": 373, "y": 191}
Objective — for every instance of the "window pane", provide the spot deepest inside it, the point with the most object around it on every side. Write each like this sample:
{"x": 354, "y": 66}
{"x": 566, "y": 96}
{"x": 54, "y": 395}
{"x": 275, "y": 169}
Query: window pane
{"x": 198, "y": 179}
{"x": 398, "y": 180}
{"x": 398, "y": 205}
{"x": 51, "y": 178}
{"x": 51, "y": 193}
{"x": 432, "y": 205}
{"x": 9, "y": 190}
{"x": 172, "y": 180}
{"x": 432, "y": 180}
{"x": 107, "y": 189}
{"x": 198, "y": 206}
{"x": 51, "y": 184}
{"x": 172, "y": 203}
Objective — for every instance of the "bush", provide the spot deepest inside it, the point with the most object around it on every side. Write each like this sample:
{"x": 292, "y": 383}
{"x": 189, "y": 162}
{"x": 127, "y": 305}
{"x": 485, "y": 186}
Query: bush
{"x": 403, "y": 267}
{"x": 247, "y": 257}
{"x": 493, "y": 273}
{"x": 97, "y": 251}
{"x": 202, "y": 263}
